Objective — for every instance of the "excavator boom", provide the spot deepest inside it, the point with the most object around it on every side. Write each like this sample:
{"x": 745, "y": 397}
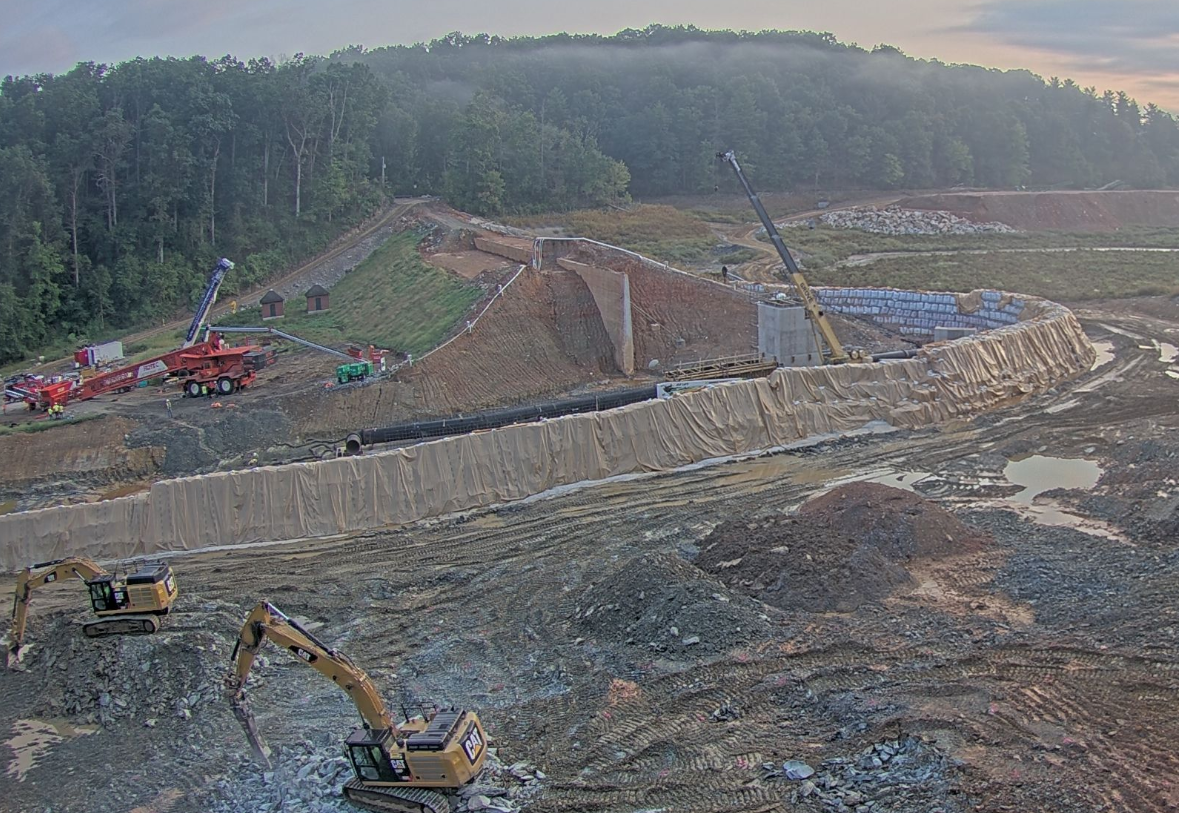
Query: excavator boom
{"x": 39, "y": 575}
{"x": 397, "y": 769}
{"x": 835, "y": 352}
{"x": 267, "y": 621}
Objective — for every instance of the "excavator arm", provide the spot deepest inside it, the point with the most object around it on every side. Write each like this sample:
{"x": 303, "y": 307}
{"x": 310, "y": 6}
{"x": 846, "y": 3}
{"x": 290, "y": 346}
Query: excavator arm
{"x": 266, "y": 621}
{"x": 38, "y": 576}
{"x": 835, "y": 352}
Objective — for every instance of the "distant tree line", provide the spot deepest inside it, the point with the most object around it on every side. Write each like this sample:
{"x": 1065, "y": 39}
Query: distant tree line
{"x": 120, "y": 186}
{"x": 802, "y": 109}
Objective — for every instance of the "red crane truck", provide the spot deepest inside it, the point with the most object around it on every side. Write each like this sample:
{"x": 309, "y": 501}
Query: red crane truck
{"x": 200, "y": 366}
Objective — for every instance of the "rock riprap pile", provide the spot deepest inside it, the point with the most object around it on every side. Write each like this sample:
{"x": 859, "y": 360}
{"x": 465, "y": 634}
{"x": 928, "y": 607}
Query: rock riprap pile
{"x": 663, "y": 605}
{"x": 308, "y": 777}
{"x": 894, "y": 776}
{"x": 896, "y": 221}
{"x": 140, "y": 679}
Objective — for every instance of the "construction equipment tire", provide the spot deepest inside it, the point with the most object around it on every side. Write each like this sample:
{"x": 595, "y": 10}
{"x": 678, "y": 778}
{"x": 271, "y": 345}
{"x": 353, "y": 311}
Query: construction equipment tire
{"x": 225, "y": 385}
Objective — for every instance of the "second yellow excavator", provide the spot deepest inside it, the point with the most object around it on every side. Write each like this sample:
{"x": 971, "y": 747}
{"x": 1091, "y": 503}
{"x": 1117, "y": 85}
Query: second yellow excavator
{"x": 398, "y": 768}
{"x": 130, "y": 606}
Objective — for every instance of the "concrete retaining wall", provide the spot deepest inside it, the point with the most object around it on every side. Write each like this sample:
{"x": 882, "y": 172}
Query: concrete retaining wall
{"x": 611, "y": 292}
{"x": 947, "y": 381}
{"x": 519, "y": 251}
{"x": 917, "y": 313}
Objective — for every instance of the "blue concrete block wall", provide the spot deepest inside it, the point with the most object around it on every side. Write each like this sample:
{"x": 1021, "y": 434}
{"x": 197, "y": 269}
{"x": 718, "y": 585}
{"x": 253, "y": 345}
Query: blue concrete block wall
{"x": 915, "y": 313}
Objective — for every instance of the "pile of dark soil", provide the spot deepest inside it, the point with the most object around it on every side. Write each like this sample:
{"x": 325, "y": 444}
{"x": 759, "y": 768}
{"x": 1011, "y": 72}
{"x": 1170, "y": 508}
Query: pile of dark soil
{"x": 664, "y": 605}
{"x": 900, "y": 524}
{"x": 843, "y": 549}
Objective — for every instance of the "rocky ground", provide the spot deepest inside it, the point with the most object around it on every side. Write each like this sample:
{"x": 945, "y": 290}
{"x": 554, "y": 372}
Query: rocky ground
{"x": 1028, "y": 663}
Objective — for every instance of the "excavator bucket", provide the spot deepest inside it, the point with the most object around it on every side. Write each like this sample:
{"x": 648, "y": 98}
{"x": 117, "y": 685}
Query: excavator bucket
{"x": 14, "y": 656}
{"x": 245, "y": 716}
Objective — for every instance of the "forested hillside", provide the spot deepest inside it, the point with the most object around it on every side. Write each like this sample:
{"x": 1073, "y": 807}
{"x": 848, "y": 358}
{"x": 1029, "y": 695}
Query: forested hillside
{"x": 802, "y": 109}
{"x": 120, "y": 186}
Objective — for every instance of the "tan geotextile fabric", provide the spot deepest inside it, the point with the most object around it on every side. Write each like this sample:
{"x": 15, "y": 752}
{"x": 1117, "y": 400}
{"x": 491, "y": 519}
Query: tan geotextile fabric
{"x": 945, "y": 381}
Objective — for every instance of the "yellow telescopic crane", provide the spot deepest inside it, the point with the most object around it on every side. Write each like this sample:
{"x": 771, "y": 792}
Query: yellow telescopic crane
{"x": 835, "y": 352}
{"x": 395, "y": 766}
{"x": 130, "y": 606}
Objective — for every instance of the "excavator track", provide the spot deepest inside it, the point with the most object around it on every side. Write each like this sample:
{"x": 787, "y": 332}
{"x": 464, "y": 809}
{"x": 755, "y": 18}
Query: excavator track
{"x": 122, "y": 625}
{"x": 395, "y": 800}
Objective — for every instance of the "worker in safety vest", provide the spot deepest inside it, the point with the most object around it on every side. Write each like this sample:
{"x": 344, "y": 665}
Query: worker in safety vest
{"x": 168, "y": 406}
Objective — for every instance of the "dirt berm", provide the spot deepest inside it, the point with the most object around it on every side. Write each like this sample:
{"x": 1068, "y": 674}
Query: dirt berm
{"x": 1067, "y": 211}
{"x": 845, "y": 548}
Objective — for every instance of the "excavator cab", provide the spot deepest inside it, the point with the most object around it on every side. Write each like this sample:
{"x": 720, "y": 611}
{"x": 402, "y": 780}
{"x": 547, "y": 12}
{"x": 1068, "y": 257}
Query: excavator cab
{"x": 105, "y": 595}
{"x": 369, "y": 752}
{"x": 150, "y": 589}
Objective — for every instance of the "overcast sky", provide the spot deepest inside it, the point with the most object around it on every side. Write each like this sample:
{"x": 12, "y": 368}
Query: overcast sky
{"x": 1120, "y": 44}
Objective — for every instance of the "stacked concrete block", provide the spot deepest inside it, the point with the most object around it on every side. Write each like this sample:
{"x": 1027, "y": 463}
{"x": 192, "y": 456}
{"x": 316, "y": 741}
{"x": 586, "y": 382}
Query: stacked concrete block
{"x": 918, "y": 313}
{"x": 949, "y": 334}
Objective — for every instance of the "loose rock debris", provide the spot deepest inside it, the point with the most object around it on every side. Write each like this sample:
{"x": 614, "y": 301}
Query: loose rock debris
{"x": 901, "y": 775}
{"x": 897, "y": 221}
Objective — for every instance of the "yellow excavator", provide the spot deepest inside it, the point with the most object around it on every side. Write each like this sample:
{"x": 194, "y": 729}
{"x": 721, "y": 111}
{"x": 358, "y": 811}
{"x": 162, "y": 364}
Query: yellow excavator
{"x": 397, "y": 768}
{"x": 130, "y": 606}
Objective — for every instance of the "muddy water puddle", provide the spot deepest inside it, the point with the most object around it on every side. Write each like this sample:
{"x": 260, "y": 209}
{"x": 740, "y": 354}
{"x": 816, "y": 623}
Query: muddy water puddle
{"x": 1105, "y": 353}
{"x": 1168, "y": 353}
{"x": 1038, "y": 474}
{"x": 906, "y": 480}
{"x": 32, "y": 739}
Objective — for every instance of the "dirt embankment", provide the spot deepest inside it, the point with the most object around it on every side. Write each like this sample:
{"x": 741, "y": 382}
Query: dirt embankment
{"x": 542, "y": 338}
{"x": 1066, "y": 211}
{"x": 843, "y": 549}
{"x": 680, "y": 318}
{"x": 93, "y": 452}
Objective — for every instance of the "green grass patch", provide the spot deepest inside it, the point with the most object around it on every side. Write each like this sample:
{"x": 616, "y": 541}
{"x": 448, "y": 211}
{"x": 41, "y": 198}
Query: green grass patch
{"x": 825, "y": 246}
{"x": 393, "y": 300}
{"x": 155, "y": 345}
{"x": 662, "y": 233}
{"x": 1070, "y": 277}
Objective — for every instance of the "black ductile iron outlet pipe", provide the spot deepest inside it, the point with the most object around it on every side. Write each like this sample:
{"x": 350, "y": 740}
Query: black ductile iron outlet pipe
{"x": 464, "y": 424}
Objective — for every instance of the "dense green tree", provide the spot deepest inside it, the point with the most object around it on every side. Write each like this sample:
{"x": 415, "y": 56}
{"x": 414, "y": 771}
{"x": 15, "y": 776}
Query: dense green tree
{"x": 119, "y": 186}
{"x": 800, "y": 107}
